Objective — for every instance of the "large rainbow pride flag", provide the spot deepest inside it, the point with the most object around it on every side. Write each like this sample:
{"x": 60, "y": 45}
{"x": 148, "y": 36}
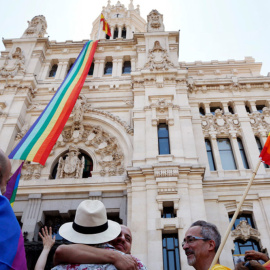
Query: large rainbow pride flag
{"x": 38, "y": 142}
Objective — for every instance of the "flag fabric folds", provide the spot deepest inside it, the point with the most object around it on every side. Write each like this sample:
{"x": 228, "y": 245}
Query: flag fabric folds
{"x": 265, "y": 153}
{"x": 267, "y": 265}
{"x": 38, "y": 142}
{"x": 12, "y": 252}
{"x": 106, "y": 27}
{"x": 12, "y": 185}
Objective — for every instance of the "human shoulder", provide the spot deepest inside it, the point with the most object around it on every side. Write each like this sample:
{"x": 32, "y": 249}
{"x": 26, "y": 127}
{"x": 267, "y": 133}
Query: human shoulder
{"x": 220, "y": 267}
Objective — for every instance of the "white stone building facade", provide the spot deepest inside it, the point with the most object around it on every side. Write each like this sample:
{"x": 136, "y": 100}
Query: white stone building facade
{"x": 161, "y": 143}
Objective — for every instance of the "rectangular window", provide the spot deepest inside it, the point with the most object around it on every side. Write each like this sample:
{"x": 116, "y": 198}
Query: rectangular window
{"x": 171, "y": 257}
{"x": 243, "y": 154}
{"x": 168, "y": 212}
{"x": 210, "y": 155}
{"x": 163, "y": 139}
{"x": 226, "y": 154}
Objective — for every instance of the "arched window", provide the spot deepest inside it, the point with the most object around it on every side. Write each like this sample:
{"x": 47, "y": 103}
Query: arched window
{"x": 230, "y": 108}
{"x": 243, "y": 154}
{"x": 91, "y": 69}
{"x": 210, "y": 155}
{"x": 259, "y": 145}
{"x": 88, "y": 166}
{"x": 53, "y": 70}
{"x": 108, "y": 68}
{"x": 201, "y": 110}
{"x": 124, "y": 32}
{"x": 260, "y": 108}
{"x": 126, "y": 67}
{"x": 115, "y": 33}
{"x": 226, "y": 154}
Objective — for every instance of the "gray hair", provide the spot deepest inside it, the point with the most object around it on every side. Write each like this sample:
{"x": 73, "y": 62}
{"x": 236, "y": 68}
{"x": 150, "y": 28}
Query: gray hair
{"x": 209, "y": 231}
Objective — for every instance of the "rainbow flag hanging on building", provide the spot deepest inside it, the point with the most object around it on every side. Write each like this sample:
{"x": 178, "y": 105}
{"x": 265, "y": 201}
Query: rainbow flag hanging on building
{"x": 38, "y": 142}
{"x": 12, "y": 185}
{"x": 12, "y": 252}
{"x": 265, "y": 153}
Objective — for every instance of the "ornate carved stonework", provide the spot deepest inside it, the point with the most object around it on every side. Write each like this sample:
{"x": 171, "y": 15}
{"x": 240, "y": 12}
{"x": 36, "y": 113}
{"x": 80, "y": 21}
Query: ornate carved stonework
{"x": 244, "y": 232}
{"x": 155, "y": 21}
{"x": 219, "y": 123}
{"x": 167, "y": 173}
{"x": 13, "y": 65}
{"x": 2, "y": 107}
{"x": 260, "y": 122}
{"x": 158, "y": 58}
{"x": 23, "y": 131}
{"x": 36, "y": 28}
{"x": 71, "y": 166}
{"x": 31, "y": 171}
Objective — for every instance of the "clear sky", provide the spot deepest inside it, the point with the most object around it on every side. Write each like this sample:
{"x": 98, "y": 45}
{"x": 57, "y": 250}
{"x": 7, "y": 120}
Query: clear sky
{"x": 209, "y": 29}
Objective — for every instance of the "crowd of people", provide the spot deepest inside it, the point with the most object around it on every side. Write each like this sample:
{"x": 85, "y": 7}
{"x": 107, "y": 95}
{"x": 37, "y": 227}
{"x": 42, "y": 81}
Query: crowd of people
{"x": 99, "y": 243}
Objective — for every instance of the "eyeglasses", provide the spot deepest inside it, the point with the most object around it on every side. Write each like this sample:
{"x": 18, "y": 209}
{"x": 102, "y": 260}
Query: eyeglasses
{"x": 191, "y": 239}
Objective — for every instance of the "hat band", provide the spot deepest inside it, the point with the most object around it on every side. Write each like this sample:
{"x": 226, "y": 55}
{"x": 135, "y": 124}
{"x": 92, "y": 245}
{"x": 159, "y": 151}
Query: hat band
{"x": 90, "y": 230}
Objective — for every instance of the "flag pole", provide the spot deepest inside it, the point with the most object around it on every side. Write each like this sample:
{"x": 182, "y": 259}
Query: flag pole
{"x": 235, "y": 215}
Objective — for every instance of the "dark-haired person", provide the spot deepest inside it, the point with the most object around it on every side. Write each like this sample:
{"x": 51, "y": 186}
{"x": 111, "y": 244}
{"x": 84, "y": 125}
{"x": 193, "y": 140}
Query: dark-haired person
{"x": 201, "y": 243}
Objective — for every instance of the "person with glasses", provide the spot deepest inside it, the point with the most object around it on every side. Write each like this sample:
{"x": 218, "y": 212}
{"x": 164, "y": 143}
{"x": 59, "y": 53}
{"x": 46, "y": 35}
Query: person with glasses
{"x": 201, "y": 243}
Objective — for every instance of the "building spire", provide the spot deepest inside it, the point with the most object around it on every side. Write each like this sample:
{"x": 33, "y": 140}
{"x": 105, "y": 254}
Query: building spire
{"x": 130, "y": 6}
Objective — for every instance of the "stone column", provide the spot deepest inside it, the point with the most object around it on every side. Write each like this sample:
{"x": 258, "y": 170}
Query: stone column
{"x": 30, "y": 216}
{"x": 115, "y": 64}
{"x": 58, "y": 71}
{"x": 119, "y": 31}
{"x": 100, "y": 71}
{"x": 215, "y": 151}
{"x": 65, "y": 67}
{"x": 112, "y": 30}
{"x": 119, "y": 66}
{"x": 225, "y": 108}
{"x": 45, "y": 71}
{"x": 253, "y": 106}
{"x": 237, "y": 154}
{"x": 207, "y": 108}
{"x": 133, "y": 63}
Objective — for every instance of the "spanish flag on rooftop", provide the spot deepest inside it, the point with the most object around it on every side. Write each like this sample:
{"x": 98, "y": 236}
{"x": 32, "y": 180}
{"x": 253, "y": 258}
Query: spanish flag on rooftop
{"x": 265, "y": 153}
{"x": 106, "y": 27}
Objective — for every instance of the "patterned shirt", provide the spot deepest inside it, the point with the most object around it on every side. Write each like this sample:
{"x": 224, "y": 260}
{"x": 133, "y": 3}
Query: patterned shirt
{"x": 107, "y": 266}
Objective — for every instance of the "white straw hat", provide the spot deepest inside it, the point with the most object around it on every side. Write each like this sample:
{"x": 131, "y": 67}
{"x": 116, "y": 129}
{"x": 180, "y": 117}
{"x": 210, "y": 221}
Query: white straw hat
{"x": 90, "y": 225}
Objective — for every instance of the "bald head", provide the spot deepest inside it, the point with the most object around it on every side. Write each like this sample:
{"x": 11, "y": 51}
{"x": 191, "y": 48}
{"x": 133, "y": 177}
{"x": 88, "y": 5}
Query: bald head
{"x": 5, "y": 169}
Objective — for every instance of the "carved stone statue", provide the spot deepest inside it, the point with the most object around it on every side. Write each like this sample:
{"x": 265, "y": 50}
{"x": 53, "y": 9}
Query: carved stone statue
{"x": 71, "y": 166}
{"x": 155, "y": 22}
{"x": 158, "y": 58}
{"x": 36, "y": 28}
{"x": 14, "y": 65}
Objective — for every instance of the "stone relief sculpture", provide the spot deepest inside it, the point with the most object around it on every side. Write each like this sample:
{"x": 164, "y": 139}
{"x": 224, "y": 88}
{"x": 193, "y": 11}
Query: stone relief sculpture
{"x": 13, "y": 66}
{"x": 36, "y": 28}
{"x": 31, "y": 171}
{"x": 158, "y": 58}
{"x": 260, "y": 122}
{"x": 155, "y": 21}
{"x": 71, "y": 166}
{"x": 244, "y": 232}
{"x": 220, "y": 123}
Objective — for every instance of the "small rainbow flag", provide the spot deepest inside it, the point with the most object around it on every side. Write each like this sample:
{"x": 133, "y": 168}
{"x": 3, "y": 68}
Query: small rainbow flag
{"x": 106, "y": 27}
{"x": 267, "y": 265}
{"x": 38, "y": 142}
{"x": 265, "y": 153}
{"x": 12, "y": 185}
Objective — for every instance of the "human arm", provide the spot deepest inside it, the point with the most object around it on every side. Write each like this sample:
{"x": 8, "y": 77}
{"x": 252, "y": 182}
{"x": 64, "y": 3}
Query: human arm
{"x": 255, "y": 255}
{"x": 48, "y": 242}
{"x": 78, "y": 253}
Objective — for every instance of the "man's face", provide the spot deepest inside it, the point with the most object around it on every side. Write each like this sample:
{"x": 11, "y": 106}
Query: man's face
{"x": 198, "y": 250}
{"x": 5, "y": 177}
{"x": 123, "y": 241}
